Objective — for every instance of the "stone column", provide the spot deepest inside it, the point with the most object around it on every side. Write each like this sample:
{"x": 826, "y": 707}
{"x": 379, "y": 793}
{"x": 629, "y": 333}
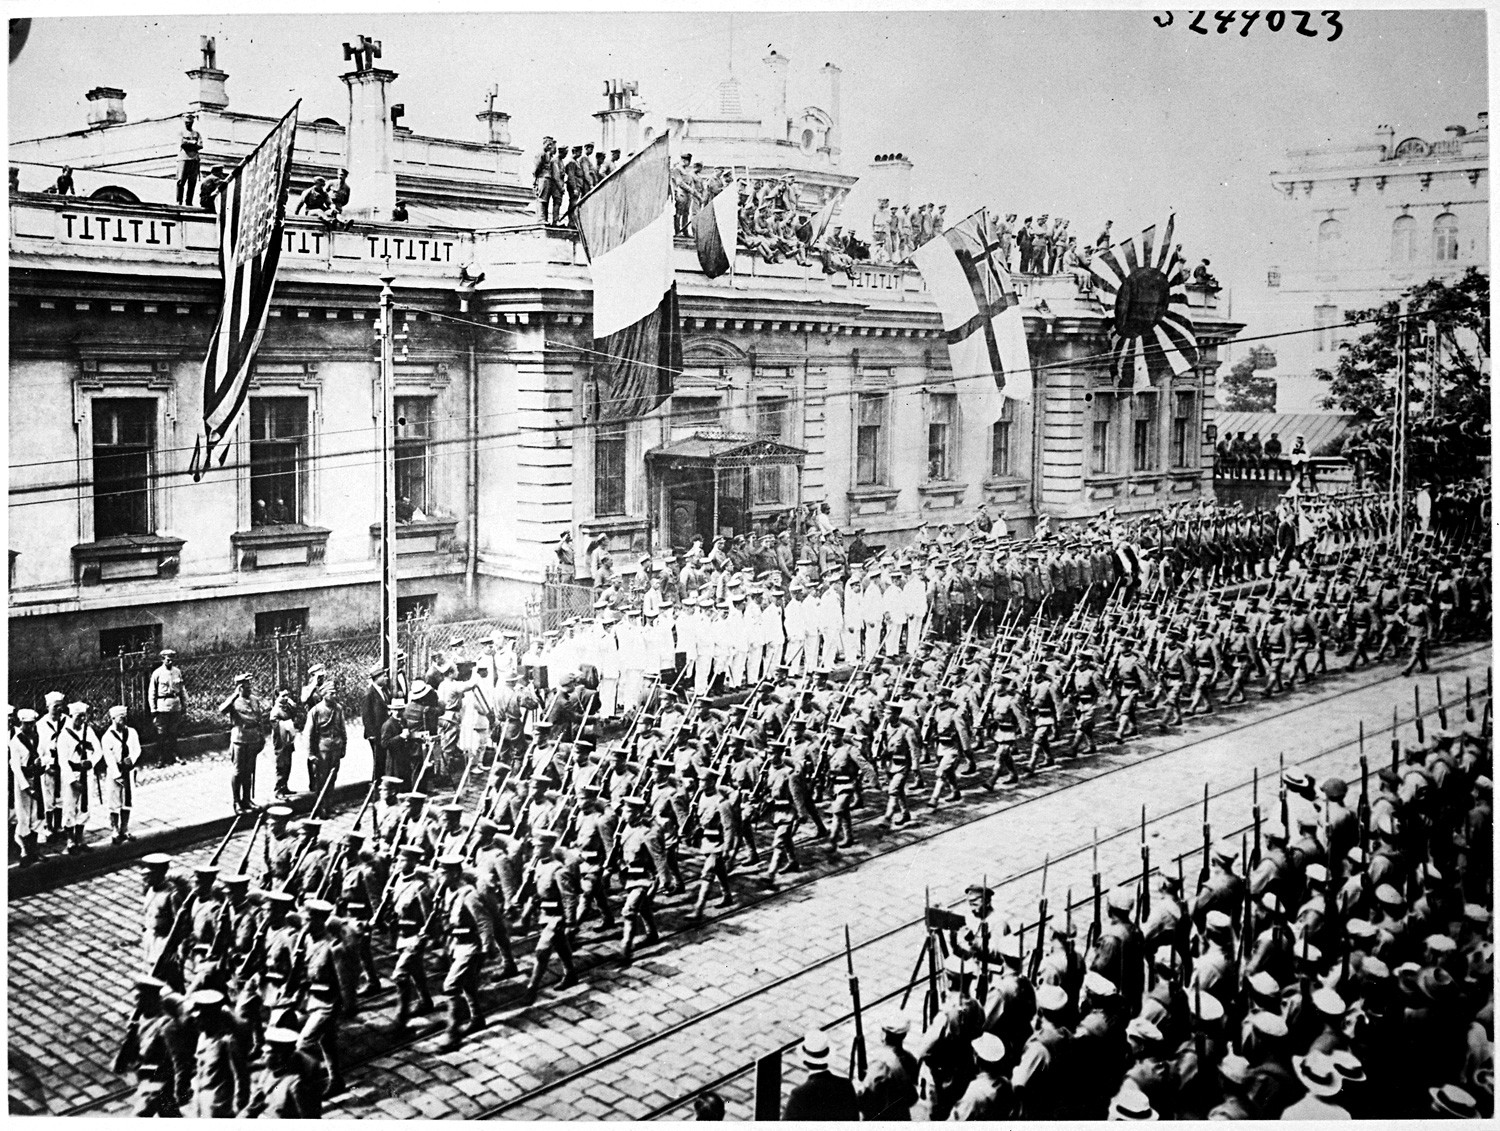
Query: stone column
{"x": 369, "y": 156}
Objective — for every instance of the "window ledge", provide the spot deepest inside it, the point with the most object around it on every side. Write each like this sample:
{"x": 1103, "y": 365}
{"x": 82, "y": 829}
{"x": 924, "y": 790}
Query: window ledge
{"x": 874, "y": 491}
{"x": 619, "y": 524}
{"x": 128, "y": 556}
{"x": 420, "y": 536}
{"x": 1002, "y": 482}
{"x": 947, "y": 491}
{"x": 264, "y": 547}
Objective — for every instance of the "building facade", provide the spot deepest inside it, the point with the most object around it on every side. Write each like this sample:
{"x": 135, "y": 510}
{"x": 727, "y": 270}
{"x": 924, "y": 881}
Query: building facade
{"x": 845, "y": 382}
{"x": 1365, "y": 223}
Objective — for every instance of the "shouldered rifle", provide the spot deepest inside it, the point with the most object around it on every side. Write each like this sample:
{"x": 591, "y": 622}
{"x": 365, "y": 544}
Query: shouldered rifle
{"x": 858, "y": 1064}
{"x": 1416, "y": 696}
{"x": 1143, "y": 904}
{"x": 1281, "y": 793}
{"x": 1207, "y": 841}
{"x": 1041, "y": 926}
{"x": 1254, "y": 857}
{"x": 1395, "y": 741}
{"x": 260, "y": 820}
{"x": 1097, "y": 926}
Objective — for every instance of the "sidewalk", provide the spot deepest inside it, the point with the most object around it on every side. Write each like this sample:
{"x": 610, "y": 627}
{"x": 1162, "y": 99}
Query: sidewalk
{"x": 180, "y": 803}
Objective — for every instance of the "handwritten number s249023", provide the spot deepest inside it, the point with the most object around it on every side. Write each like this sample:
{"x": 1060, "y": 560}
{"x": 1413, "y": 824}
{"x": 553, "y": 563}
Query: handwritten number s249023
{"x": 1197, "y": 24}
{"x": 1157, "y": 20}
{"x": 1275, "y": 20}
{"x": 1224, "y": 19}
{"x": 1335, "y": 23}
{"x": 1302, "y": 28}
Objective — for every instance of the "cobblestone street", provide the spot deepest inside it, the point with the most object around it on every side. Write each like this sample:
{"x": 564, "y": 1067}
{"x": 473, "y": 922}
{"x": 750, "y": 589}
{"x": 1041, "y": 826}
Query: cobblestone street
{"x": 630, "y": 1042}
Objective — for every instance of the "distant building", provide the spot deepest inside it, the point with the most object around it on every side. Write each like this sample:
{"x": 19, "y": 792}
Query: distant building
{"x": 114, "y": 293}
{"x": 1364, "y": 223}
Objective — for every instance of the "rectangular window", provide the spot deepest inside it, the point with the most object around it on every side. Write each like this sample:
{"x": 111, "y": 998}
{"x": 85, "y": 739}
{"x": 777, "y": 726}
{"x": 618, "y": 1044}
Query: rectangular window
{"x": 124, "y": 458}
{"x": 609, "y": 469}
{"x": 283, "y": 621}
{"x": 413, "y": 457}
{"x": 1099, "y": 462}
{"x": 1182, "y": 429}
{"x": 870, "y": 440}
{"x": 416, "y": 605}
{"x": 132, "y": 638}
{"x": 940, "y": 418}
{"x": 278, "y": 460}
{"x": 1143, "y": 443}
{"x": 1002, "y": 455}
{"x": 770, "y": 424}
{"x": 689, "y": 414}
{"x": 1325, "y": 318}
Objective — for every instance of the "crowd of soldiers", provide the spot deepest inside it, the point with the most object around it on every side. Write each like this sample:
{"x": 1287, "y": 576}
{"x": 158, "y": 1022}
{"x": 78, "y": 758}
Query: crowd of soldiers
{"x": 1339, "y": 964}
{"x": 693, "y": 727}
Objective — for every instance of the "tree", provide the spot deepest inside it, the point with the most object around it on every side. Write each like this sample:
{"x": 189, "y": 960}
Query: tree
{"x": 1448, "y": 392}
{"x": 1242, "y": 390}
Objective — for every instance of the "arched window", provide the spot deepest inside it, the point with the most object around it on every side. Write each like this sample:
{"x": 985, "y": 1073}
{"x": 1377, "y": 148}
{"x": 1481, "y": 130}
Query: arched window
{"x": 1330, "y": 240}
{"x": 1403, "y": 240}
{"x": 114, "y": 194}
{"x": 1445, "y": 238}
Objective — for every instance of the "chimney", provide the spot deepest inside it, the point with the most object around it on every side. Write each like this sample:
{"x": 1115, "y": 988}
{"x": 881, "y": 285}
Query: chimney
{"x": 1386, "y": 136}
{"x": 778, "y": 124}
{"x": 369, "y": 154}
{"x": 890, "y": 177}
{"x": 620, "y": 124}
{"x": 497, "y": 122}
{"x": 832, "y": 73}
{"x": 106, "y": 106}
{"x": 211, "y": 94}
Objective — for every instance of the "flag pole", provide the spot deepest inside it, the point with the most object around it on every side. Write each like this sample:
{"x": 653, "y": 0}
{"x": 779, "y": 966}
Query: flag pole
{"x": 388, "y": 623}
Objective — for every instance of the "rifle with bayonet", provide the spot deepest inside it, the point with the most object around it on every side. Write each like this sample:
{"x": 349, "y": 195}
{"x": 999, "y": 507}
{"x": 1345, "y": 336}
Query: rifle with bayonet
{"x": 858, "y": 1065}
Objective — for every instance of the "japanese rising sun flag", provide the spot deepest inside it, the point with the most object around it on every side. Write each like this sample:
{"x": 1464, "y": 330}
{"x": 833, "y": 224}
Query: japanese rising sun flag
{"x": 251, "y": 211}
{"x": 626, "y": 225}
{"x": 1143, "y": 286}
{"x": 981, "y": 313}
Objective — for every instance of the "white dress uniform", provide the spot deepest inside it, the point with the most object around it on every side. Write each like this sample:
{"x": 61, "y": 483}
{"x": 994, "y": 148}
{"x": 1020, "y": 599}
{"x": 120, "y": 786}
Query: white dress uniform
{"x": 634, "y": 661}
{"x": 872, "y": 604}
{"x": 794, "y": 617}
{"x": 79, "y": 753}
{"x": 915, "y": 592}
{"x": 739, "y": 644}
{"x": 48, "y": 729}
{"x": 893, "y": 601}
{"x": 26, "y": 804}
{"x": 121, "y": 753}
{"x": 474, "y": 725}
{"x": 607, "y": 660}
{"x": 854, "y": 619}
{"x": 831, "y": 626}
{"x": 755, "y": 645}
{"x": 703, "y": 666}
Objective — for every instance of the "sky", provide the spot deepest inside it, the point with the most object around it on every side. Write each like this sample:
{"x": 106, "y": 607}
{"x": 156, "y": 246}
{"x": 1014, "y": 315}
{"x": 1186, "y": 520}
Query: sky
{"x": 1091, "y": 115}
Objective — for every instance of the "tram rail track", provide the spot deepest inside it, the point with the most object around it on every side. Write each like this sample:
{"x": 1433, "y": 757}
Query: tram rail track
{"x": 1073, "y": 774}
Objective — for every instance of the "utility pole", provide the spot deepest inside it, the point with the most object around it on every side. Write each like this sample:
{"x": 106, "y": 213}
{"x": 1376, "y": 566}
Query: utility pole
{"x": 1398, "y": 428}
{"x": 389, "y": 647}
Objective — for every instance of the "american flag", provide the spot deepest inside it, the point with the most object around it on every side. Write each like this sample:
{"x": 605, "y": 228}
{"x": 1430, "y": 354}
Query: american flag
{"x": 251, "y": 209}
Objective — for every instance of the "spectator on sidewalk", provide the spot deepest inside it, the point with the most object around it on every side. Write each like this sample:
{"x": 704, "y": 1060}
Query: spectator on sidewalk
{"x": 120, "y": 749}
{"x": 326, "y": 739}
{"x": 247, "y": 736}
{"x": 823, "y": 1095}
{"x": 167, "y": 699}
{"x": 377, "y": 709}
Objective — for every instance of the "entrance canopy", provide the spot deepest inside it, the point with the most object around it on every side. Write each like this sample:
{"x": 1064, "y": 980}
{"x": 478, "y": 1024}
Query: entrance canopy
{"x": 704, "y": 450}
{"x": 706, "y": 485}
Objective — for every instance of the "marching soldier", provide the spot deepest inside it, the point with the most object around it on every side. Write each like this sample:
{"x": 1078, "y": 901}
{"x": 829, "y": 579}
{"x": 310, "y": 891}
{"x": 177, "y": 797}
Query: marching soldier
{"x": 845, "y": 776}
{"x": 469, "y": 941}
{"x": 360, "y": 887}
{"x": 325, "y": 995}
{"x": 159, "y": 1047}
{"x": 411, "y": 907}
{"x": 555, "y": 923}
{"x": 291, "y": 1084}
{"x": 639, "y": 912}
{"x": 714, "y": 828}
{"x": 221, "y": 1077}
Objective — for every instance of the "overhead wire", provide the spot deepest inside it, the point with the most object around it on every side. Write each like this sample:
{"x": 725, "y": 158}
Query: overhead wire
{"x": 326, "y": 458}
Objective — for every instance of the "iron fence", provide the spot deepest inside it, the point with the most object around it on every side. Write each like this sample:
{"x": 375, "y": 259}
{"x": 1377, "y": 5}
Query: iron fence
{"x": 282, "y": 660}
